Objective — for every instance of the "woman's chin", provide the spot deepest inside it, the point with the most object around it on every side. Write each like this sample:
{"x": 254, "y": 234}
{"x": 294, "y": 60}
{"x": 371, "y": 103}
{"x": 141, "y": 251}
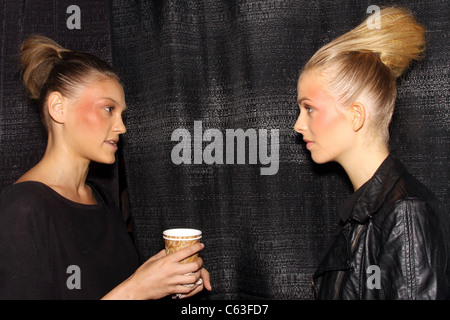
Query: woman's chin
{"x": 320, "y": 159}
{"x": 105, "y": 160}
{"x": 110, "y": 161}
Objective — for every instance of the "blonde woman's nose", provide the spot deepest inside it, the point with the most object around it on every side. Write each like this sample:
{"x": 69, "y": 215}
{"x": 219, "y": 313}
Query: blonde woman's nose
{"x": 300, "y": 125}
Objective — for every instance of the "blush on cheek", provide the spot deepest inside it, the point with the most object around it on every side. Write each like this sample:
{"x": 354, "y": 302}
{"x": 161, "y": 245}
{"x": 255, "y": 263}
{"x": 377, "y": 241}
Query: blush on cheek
{"x": 326, "y": 120}
{"x": 86, "y": 111}
{"x": 89, "y": 116}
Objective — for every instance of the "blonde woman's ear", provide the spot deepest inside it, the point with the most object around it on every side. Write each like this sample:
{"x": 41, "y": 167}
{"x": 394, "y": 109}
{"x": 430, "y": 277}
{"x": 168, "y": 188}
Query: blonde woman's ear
{"x": 358, "y": 115}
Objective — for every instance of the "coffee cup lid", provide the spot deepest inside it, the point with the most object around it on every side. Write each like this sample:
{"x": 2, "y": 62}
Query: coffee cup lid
{"x": 182, "y": 232}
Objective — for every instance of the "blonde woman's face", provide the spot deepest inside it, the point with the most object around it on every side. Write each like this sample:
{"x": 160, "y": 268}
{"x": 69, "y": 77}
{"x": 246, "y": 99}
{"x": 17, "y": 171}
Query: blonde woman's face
{"x": 325, "y": 128}
{"x": 95, "y": 121}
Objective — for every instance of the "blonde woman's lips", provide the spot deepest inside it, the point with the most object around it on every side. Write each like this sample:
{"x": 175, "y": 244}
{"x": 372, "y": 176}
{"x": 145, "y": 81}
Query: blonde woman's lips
{"x": 309, "y": 143}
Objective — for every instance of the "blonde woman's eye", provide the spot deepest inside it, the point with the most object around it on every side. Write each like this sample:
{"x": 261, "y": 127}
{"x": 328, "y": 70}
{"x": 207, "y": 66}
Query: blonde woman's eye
{"x": 109, "y": 109}
{"x": 308, "y": 109}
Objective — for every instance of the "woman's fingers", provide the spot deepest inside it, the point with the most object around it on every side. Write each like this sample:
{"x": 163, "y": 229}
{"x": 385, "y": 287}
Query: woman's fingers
{"x": 186, "y": 252}
{"x": 181, "y": 279}
{"x": 157, "y": 256}
{"x": 204, "y": 274}
{"x": 196, "y": 288}
{"x": 187, "y": 279}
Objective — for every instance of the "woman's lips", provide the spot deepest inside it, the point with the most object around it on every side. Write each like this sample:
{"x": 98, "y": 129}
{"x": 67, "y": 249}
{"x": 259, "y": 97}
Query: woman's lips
{"x": 112, "y": 143}
{"x": 309, "y": 143}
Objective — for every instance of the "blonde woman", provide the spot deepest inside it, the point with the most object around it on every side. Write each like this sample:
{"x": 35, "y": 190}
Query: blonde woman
{"x": 61, "y": 236}
{"x": 392, "y": 241}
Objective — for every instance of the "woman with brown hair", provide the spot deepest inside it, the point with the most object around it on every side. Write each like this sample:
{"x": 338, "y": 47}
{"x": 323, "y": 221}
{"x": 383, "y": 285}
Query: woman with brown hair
{"x": 52, "y": 220}
{"x": 392, "y": 242}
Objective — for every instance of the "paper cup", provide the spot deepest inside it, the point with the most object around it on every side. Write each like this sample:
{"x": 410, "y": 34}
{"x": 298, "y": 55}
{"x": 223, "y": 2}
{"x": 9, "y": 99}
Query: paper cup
{"x": 177, "y": 239}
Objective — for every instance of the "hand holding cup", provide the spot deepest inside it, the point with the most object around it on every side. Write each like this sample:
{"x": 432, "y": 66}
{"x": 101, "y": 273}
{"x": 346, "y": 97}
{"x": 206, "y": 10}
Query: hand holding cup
{"x": 177, "y": 239}
{"x": 163, "y": 275}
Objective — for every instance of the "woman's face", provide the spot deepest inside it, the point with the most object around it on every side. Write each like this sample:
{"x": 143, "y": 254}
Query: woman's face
{"x": 94, "y": 122}
{"x": 325, "y": 129}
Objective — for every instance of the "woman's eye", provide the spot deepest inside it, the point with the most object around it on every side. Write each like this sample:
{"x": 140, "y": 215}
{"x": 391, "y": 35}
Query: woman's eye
{"x": 109, "y": 109}
{"x": 308, "y": 109}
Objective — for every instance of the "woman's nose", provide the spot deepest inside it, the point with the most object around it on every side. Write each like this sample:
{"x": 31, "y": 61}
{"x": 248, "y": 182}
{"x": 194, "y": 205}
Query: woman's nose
{"x": 120, "y": 127}
{"x": 300, "y": 125}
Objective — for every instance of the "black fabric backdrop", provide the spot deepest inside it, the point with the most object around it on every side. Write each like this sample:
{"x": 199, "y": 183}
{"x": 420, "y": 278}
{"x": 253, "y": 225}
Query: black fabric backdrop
{"x": 230, "y": 65}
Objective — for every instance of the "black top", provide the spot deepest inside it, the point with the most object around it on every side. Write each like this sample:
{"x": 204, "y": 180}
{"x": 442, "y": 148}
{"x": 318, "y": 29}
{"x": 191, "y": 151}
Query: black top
{"x": 54, "y": 248}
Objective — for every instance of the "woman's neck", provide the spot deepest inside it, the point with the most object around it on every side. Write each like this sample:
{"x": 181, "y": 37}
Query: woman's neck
{"x": 62, "y": 171}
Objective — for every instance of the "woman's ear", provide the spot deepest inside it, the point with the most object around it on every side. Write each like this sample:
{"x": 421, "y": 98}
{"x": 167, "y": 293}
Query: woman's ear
{"x": 56, "y": 108}
{"x": 358, "y": 115}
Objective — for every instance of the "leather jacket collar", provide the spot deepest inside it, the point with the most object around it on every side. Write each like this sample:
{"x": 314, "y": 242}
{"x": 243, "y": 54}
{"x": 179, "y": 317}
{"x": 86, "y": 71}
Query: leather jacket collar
{"x": 371, "y": 196}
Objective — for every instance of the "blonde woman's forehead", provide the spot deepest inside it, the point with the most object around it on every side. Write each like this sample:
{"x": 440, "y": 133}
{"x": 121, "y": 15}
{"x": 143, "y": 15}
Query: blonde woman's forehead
{"x": 312, "y": 87}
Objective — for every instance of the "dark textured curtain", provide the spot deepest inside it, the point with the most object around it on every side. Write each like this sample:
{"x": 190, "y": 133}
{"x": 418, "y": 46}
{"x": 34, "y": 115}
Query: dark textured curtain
{"x": 234, "y": 64}
{"x": 22, "y": 135}
{"x": 212, "y": 66}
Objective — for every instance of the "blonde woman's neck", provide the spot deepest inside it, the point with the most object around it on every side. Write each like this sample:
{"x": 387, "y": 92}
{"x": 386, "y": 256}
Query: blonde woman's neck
{"x": 361, "y": 163}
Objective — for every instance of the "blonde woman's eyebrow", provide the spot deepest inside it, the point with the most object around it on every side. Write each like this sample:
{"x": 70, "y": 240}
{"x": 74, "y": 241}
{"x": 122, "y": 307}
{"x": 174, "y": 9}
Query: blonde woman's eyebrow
{"x": 300, "y": 100}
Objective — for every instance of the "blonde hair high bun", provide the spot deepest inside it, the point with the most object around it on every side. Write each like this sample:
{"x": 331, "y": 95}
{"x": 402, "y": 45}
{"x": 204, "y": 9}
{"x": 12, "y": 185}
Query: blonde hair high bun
{"x": 398, "y": 41}
{"x": 369, "y": 60}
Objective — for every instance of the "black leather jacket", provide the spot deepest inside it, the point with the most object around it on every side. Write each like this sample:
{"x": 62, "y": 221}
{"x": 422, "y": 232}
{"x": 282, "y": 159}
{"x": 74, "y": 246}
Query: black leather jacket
{"x": 392, "y": 242}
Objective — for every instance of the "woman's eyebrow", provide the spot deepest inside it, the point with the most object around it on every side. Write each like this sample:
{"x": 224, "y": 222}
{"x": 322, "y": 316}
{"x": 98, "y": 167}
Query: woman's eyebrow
{"x": 300, "y": 100}
{"x": 108, "y": 98}
{"x": 113, "y": 100}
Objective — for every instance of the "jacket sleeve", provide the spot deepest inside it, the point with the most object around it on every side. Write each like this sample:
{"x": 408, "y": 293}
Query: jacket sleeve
{"x": 413, "y": 253}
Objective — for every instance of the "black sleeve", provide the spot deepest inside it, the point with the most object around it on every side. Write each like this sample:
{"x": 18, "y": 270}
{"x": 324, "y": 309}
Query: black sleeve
{"x": 413, "y": 257}
{"x": 24, "y": 256}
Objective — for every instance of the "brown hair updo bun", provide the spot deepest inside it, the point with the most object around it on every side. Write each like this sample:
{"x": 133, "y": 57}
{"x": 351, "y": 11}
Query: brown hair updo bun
{"x": 48, "y": 67}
